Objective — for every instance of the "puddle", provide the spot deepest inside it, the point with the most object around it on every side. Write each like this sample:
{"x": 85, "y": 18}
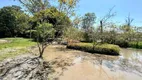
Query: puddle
{"x": 126, "y": 67}
{"x": 88, "y": 66}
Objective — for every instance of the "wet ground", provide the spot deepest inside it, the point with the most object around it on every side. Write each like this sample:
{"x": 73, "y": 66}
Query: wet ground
{"x": 78, "y": 65}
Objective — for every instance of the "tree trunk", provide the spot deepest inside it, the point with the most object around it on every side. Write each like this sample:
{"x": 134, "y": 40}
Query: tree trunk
{"x": 101, "y": 27}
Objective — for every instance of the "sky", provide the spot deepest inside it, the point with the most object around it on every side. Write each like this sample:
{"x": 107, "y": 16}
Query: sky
{"x": 101, "y": 7}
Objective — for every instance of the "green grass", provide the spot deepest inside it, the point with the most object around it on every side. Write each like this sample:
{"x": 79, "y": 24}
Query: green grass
{"x": 20, "y": 46}
{"x": 134, "y": 45}
{"x": 108, "y": 49}
{"x": 17, "y": 43}
{"x": 13, "y": 54}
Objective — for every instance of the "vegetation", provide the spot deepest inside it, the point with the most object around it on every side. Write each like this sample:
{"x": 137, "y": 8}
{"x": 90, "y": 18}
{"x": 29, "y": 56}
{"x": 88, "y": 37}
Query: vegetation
{"x": 58, "y": 19}
{"x": 108, "y": 49}
{"x": 14, "y": 47}
{"x": 45, "y": 22}
{"x": 13, "y": 21}
{"x": 135, "y": 45}
{"x": 44, "y": 33}
{"x": 17, "y": 43}
{"x": 87, "y": 25}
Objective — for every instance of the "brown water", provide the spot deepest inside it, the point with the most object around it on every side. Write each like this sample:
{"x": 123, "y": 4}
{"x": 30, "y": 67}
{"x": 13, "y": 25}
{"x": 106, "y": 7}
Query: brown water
{"x": 128, "y": 66}
{"x": 88, "y": 66}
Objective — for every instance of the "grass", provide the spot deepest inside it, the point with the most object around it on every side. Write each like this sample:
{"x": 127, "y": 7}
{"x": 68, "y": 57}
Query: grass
{"x": 108, "y": 49}
{"x": 12, "y": 54}
{"x": 14, "y": 47}
{"x": 16, "y": 43}
{"x": 134, "y": 45}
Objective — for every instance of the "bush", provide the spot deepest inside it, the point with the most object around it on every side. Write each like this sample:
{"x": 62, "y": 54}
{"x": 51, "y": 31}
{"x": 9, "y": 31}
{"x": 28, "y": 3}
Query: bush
{"x": 108, "y": 49}
{"x": 122, "y": 43}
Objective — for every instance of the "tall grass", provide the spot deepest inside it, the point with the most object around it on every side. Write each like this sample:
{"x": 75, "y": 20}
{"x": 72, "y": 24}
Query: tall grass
{"x": 108, "y": 49}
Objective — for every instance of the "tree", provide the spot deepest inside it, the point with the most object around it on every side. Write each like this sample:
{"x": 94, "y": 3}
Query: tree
{"x": 137, "y": 36}
{"x": 127, "y": 29}
{"x": 87, "y": 25}
{"x": 128, "y": 21}
{"x": 104, "y": 20}
{"x": 67, "y": 6}
{"x": 44, "y": 35}
{"x": 13, "y": 21}
{"x": 58, "y": 19}
{"x": 34, "y": 6}
{"x": 72, "y": 34}
{"x": 77, "y": 22}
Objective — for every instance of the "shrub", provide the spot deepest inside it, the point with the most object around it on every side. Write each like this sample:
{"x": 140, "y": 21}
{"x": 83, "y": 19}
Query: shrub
{"x": 121, "y": 43}
{"x": 108, "y": 49}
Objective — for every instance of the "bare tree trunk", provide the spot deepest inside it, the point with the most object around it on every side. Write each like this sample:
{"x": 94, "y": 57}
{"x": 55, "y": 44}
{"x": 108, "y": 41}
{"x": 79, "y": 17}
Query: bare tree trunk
{"x": 101, "y": 31}
{"x": 101, "y": 26}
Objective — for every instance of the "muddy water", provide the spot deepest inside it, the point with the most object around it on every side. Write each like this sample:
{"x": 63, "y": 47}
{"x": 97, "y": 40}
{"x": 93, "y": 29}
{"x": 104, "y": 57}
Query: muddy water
{"x": 86, "y": 66}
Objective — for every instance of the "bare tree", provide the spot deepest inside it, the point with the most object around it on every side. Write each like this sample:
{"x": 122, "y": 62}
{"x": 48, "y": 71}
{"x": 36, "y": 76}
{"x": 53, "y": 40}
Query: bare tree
{"x": 109, "y": 15}
{"x": 129, "y": 20}
{"x": 103, "y": 21}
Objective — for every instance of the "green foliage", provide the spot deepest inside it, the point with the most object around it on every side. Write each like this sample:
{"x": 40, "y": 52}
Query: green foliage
{"x": 88, "y": 21}
{"x": 87, "y": 26}
{"x": 108, "y": 49}
{"x": 136, "y": 44}
{"x": 121, "y": 43}
{"x": 14, "y": 47}
{"x": 34, "y": 6}
{"x": 54, "y": 17}
{"x": 45, "y": 31}
{"x": 13, "y": 21}
{"x": 72, "y": 33}
{"x": 67, "y": 6}
{"x": 44, "y": 34}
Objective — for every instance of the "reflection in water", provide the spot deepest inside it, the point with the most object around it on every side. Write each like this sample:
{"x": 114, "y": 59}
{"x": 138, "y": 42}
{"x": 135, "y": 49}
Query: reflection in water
{"x": 130, "y": 62}
{"x": 131, "y": 53}
{"x": 128, "y": 66}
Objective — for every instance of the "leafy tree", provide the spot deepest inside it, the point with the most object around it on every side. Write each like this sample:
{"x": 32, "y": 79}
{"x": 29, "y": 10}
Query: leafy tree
{"x": 77, "y": 22}
{"x": 67, "y": 6}
{"x": 87, "y": 24}
{"x": 34, "y": 6}
{"x": 53, "y": 16}
{"x": 44, "y": 35}
{"x": 72, "y": 33}
{"x": 13, "y": 21}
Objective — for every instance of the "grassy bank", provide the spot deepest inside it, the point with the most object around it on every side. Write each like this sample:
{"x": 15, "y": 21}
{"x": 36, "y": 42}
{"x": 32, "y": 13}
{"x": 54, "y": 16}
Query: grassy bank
{"x": 135, "y": 45}
{"x": 14, "y": 47}
{"x": 108, "y": 49}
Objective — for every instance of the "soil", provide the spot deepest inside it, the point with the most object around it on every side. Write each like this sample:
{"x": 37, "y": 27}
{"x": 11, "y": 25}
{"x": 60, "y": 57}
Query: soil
{"x": 60, "y": 63}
